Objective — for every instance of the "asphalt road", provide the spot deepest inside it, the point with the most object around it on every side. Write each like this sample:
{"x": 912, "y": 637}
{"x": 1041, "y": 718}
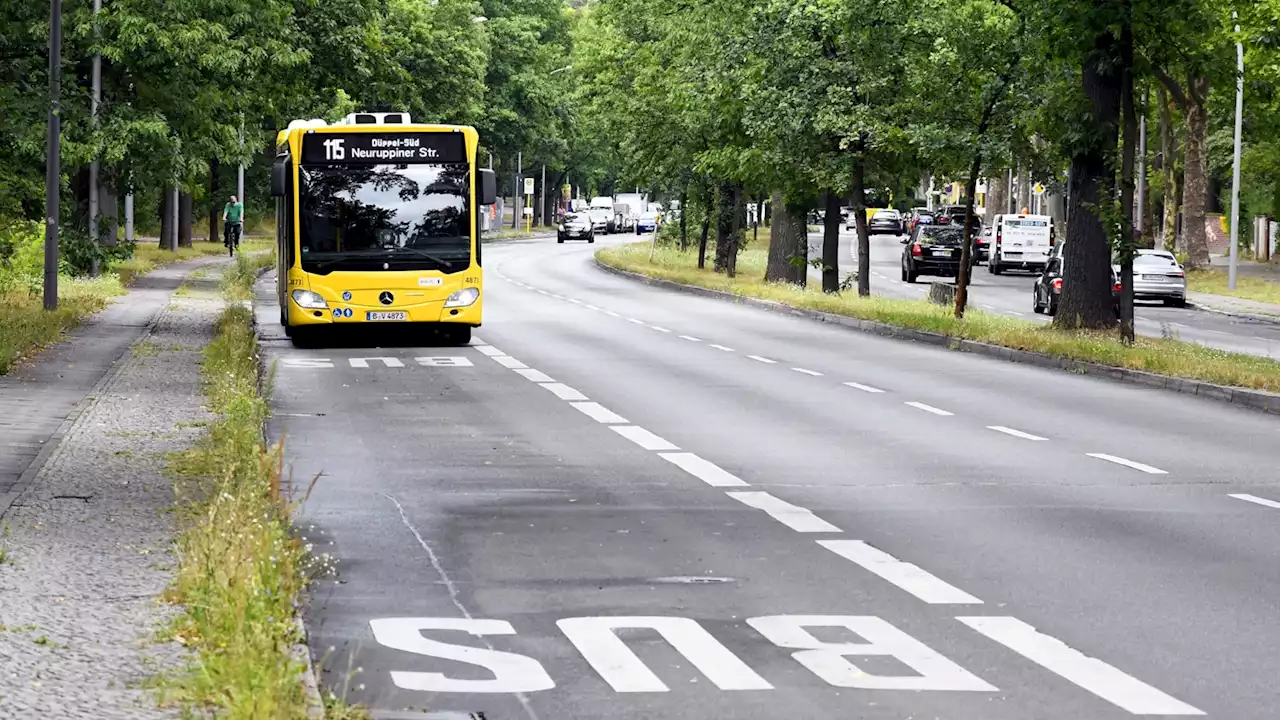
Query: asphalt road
{"x": 1010, "y": 294}
{"x": 623, "y": 502}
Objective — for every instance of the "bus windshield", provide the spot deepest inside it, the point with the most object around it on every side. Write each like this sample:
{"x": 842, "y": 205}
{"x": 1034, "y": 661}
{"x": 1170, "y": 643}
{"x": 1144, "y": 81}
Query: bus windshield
{"x": 384, "y": 217}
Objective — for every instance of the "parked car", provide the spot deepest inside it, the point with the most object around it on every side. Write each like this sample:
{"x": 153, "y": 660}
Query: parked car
{"x": 885, "y": 221}
{"x": 577, "y": 226}
{"x": 932, "y": 250}
{"x": 1048, "y": 287}
{"x": 1158, "y": 276}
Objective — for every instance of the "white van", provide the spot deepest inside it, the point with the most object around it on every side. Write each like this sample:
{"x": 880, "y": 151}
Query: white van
{"x": 602, "y": 215}
{"x": 1020, "y": 242}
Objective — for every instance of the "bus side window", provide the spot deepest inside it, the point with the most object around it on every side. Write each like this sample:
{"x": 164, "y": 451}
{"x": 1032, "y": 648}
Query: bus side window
{"x": 289, "y": 215}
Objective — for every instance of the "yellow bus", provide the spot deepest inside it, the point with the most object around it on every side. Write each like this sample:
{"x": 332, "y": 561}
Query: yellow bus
{"x": 377, "y": 222}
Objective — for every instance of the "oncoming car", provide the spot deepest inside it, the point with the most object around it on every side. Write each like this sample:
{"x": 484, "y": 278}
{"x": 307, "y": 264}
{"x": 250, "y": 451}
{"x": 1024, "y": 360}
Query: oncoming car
{"x": 576, "y": 226}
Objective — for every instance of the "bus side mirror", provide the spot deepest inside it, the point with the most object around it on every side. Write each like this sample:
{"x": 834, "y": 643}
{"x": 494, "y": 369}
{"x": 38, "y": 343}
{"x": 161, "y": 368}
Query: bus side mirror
{"x": 280, "y": 176}
{"x": 487, "y": 192}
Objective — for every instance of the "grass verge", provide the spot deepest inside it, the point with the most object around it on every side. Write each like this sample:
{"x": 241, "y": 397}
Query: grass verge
{"x": 1166, "y": 356}
{"x": 1247, "y": 287}
{"x": 25, "y": 326}
{"x": 241, "y": 569}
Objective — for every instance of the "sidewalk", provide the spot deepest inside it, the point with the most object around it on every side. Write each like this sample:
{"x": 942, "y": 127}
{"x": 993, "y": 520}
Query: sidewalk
{"x": 1239, "y": 307}
{"x": 86, "y": 526}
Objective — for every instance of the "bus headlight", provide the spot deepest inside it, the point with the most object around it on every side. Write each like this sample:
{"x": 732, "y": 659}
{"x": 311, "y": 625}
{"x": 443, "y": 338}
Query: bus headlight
{"x": 463, "y": 298}
{"x": 309, "y": 300}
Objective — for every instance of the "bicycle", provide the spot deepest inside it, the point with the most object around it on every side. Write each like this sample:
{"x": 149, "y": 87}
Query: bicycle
{"x": 231, "y": 237}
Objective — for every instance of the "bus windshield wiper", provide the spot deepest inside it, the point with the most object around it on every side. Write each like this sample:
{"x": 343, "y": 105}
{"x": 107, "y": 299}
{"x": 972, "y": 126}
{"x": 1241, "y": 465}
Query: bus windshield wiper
{"x": 447, "y": 264}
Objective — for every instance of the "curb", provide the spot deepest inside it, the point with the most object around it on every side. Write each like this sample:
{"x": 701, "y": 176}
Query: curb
{"x": 1250, "y": 317}
{"x": 1241, "y": 397}
{"x": 301, "y": 651}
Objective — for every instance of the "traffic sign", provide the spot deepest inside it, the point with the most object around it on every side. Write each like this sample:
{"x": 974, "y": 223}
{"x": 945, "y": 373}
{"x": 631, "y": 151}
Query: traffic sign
{"x": 1038, "y": 189}
{"x": 528, "y": 186}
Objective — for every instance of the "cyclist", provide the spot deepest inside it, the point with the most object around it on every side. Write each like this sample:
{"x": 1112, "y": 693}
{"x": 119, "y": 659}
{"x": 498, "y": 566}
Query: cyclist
{"x": 232, "y": 220}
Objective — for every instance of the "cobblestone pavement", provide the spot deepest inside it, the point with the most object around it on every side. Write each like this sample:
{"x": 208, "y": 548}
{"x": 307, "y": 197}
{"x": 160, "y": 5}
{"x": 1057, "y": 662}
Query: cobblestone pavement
{"x": 87, "y": 547}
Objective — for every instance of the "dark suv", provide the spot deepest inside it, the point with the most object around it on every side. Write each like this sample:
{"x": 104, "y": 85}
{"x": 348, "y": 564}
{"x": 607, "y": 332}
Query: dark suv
{"x": 932, "y": 250}
{"x": 1048, "y": 287}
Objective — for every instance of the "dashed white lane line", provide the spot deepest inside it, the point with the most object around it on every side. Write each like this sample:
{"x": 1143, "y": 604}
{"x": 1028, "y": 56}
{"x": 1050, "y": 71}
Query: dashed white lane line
{"x": 659, "y": 328}
{"x": 1128, "y": 463}
{"x": 1015, "y": 312}
{"x": 690, "y": 338}
{"x": 535, "y": 375}
{"x": 475, "y": 341}
{"x": 634, "y": 320}
{"x": 929, "y": 408}
{"x": 589, "y": 306}
{"x": 705, "y": 470}
{"x": 543, "y": 292}
{"x": 805, "y": 371}
{"x": 864, "y": 388}
{"x": 599, "y": 413}
{"x": 611, "y": 313}
{"x": 1256, "y": 500}
{"x": 793, "y": 516}
{"x": 905, "y": 575}
{"x": 1089, "y": 673}
{"x": 507, "y": 361}
{"x": 490, "y": 350}
{"x": 564, "y": 392}
{"x": 721, "y": 347}
{"x": 1015, "y": 433}
{"x": 643, "y": 438}
{"x": 989, "y": 307}
{"x": 764, "y": 360}
{"x": 575, "y": 301}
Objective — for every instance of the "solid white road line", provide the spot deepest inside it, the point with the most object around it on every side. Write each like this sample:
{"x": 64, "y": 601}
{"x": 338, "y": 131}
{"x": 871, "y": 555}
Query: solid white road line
{"x": 660, "y": 329}
{"x": 764, "y": 360}
{"x": 490, "y": 350}
{"x": 928, "y": 408}
{"x": 705, "y": 470}
{"x": 509, "y": 362}
{"x": 1092, "y": 674}
{"x": 535, "y": 375}
{"x": 814, "y": 373}
{"x": 1015, "y": 433}
{"x": 721, "y": 347}
{"x": 864, "y": 388}
{"x": 599, "y": 413}
{"x": 690, "y": 338}
{"x": 793, "y": 516}
{"x": 564, "y": 392}
{"x": 1256, "y": 500}
{"x": 1128, "y": 463}
{"x": 643, "y": 438}
{"x": 913, "y": 579}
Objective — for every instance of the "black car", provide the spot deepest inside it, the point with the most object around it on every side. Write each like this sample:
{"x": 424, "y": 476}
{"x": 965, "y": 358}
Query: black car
{"x": 954, "y": 215}
{"x": 576, "y": 226}
{"x": 1048, "y": 287}
{"x": 932, "y": 250}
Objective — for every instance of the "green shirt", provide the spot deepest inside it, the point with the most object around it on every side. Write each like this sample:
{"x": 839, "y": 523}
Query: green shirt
{"x": 233, "y": 211}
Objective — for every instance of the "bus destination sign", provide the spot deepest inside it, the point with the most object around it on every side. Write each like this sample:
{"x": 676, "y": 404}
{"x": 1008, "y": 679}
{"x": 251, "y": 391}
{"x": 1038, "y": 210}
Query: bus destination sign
{"x": 383, "y": 148}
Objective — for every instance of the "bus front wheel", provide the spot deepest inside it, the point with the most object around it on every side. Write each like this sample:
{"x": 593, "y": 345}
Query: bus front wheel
{"x": 455, "y": 334}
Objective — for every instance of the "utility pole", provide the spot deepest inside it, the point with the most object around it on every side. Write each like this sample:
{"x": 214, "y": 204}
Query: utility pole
{"x": 53, "y": 158}
{"x": 515, "y": 191}
{"x": 1235, "y": 167}
{"x": 240, "y": 173}
{"x": 94, "y": 165}
{"x": 542, "y": 206}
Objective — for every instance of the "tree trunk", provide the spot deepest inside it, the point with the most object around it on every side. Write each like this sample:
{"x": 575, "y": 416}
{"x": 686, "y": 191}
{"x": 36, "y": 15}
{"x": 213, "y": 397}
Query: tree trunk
{"x": 1086, "y": 287}
{"x": 706, "y": 229}
{"x": 184, "y": 219}
{"x": 684, "y": 213}
{"x": 830, "y": 243}
{"x": 781, "y": 242}
{"x": 1024, "y": 189}
{"x": 997, "y": 194}
{"x": 1195, "y": 182}
{"x": 859, "y": 211}
{"x": 736, "y": 229}
{"x": 166, "y": 217}
{"x": 724, "y": 226}
{"x": 214, "y": 214}
{"x": 1128, "y": 153}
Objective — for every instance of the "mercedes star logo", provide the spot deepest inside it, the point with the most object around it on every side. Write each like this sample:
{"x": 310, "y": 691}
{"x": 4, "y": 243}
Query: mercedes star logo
{"x": 386, "y": 298}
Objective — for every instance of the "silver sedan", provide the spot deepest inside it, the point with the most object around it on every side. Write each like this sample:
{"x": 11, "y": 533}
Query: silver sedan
{"x": 1158, "y": 276}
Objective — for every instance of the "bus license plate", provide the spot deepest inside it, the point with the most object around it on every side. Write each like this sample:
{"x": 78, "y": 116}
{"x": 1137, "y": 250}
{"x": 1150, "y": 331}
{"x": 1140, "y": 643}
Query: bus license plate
{"x": 385, "y": 316}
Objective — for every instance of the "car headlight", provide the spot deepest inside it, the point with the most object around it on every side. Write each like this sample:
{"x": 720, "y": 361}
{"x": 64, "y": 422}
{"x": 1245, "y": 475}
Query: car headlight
{"x": 309, "y": 300}
{"x": 463, "y": 298}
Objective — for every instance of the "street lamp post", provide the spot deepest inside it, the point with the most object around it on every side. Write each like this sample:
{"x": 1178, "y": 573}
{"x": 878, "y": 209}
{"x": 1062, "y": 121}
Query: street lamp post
{"x": 1235, "y": 168}
{"x": 53, "y": 159}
